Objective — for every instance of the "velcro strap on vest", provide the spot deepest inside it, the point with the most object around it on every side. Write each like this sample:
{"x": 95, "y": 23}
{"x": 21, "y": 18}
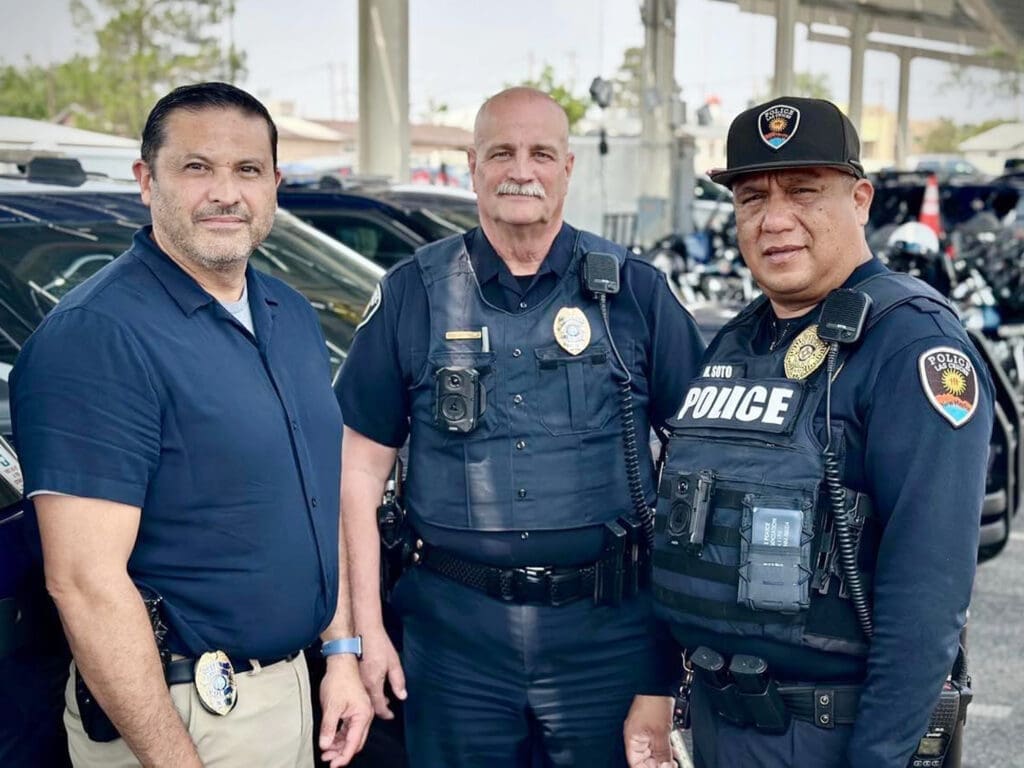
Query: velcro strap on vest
{"x": 688, "y": 565}
{"x": 714, "y": 609}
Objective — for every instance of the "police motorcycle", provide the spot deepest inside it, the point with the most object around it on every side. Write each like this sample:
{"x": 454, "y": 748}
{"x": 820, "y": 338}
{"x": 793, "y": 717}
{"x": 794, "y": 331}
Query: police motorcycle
{"x": 705, "y": 266}
{"x": 915, "y": 249}
{"x": 34, "y": 656}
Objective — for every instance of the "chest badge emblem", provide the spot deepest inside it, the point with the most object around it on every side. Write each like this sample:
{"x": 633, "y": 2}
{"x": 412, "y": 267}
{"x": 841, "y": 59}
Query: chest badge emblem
{"x": 806, "y": 354}
{"x": 215, "y": 682}
{"x": 572, "y": 331}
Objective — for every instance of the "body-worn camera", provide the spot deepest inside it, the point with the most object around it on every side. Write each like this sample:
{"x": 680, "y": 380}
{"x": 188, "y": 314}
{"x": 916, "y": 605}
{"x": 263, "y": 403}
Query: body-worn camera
{"x": 690, "y": 495}
{"x": 459, "y": 399}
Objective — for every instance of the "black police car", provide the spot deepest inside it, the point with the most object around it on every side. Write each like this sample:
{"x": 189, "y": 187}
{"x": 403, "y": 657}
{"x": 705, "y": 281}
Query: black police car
{"x": 383, "y": 222}
{"x": 54, "y": 237}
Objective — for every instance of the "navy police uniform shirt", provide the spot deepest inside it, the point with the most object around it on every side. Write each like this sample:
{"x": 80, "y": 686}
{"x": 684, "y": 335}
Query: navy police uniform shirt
{"x": 910, "y": 448}
{"x": 141, "y": 388}
{"x": 388, "y": 354}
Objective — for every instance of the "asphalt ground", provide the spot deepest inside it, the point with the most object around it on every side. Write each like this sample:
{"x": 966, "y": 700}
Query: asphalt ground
{"x": 995, "y": 719}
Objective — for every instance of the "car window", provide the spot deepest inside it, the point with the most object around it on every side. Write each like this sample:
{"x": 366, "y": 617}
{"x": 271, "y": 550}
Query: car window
{"x": 370, "y": 238}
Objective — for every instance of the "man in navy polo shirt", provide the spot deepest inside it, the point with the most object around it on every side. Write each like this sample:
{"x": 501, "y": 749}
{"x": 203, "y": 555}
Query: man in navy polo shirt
{"x": 524, "y": 631}
{"x": 181, "y": 442}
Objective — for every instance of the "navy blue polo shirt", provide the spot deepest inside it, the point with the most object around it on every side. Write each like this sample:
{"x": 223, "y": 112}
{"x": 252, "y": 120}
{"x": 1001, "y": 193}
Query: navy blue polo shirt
{"x": 141, "y": 388}
{"x": 389, "y": 353}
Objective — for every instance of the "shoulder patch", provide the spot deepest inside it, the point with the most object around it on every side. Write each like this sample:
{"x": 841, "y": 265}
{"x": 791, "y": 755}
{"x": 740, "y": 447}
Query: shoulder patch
{"x": 950, "y": 383}
{"x": 371, "y": 306}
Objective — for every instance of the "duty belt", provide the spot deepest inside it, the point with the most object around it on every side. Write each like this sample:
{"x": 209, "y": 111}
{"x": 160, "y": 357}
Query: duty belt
{"x": 525, "y": 585}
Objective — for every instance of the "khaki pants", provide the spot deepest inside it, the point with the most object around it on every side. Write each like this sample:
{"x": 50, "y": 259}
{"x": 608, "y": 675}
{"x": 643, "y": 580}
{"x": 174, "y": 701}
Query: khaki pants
{"x": 271, "y": 726}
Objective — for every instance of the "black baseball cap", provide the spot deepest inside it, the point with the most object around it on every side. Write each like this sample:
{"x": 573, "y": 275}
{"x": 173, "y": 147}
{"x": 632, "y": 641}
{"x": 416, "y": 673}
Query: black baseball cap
{"x": 790, "y": 132}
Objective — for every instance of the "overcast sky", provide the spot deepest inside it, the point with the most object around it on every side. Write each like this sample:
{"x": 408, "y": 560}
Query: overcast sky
{"x": 463, "y": 50}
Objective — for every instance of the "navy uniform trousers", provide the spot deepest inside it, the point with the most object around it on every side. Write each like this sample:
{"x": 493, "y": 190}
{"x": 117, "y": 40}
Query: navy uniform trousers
{"x": 511, "y": 686}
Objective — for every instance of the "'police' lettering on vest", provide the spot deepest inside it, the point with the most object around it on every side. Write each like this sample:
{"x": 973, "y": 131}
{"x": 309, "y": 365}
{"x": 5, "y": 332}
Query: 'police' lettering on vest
{"x": 769, "y": 406}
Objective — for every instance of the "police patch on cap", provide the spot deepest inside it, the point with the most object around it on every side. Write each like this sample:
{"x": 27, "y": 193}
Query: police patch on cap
{"x": 371, "y": 306}
{"x": 950, "y": 383}
{"x": 778, "y": 124}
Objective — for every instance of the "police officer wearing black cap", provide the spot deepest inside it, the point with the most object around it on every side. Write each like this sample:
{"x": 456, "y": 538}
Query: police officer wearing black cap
{"x": 818, "y": 515}
{"x": 506, "y": 356}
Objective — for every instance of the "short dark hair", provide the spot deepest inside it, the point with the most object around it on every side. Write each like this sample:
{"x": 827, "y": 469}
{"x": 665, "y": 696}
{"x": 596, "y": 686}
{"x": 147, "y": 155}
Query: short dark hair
{"x": 195, "y": 98}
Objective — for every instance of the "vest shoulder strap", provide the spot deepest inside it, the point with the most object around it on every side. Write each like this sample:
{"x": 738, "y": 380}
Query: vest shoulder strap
{"x": 889, "y": 290}
{"x": 442, "y": 258}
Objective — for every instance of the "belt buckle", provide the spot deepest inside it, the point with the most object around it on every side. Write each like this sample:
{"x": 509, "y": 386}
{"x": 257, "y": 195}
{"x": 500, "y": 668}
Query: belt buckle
{"x": 530, "y": 584}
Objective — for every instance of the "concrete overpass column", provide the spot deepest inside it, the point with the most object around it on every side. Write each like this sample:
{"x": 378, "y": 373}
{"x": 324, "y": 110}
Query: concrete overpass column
{"x": 903, "y": 111}
{"x": 858, "y": 45}
{"x": 654, "y": 216}
{"x": 384, "y": 88}
{"x": 785, "y": 32}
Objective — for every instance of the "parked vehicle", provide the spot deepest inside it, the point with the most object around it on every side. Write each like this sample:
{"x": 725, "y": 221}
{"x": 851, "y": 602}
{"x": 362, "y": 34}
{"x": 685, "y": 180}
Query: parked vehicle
{"x": 54, "y": 237}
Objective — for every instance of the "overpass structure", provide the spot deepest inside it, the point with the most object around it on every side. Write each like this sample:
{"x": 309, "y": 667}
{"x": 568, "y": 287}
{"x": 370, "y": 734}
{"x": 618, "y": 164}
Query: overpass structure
{"x": 984, "y": 33}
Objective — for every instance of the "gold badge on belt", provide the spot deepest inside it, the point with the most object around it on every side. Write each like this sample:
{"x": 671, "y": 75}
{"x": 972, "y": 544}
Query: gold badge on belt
{"x": 572, "y": 331}
{"x": 215, "y": 682}
{"x": 806, "y": 354}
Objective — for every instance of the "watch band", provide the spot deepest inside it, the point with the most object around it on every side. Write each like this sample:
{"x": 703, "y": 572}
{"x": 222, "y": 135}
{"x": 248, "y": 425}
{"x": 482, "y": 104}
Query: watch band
{"x": 353, "y": 645}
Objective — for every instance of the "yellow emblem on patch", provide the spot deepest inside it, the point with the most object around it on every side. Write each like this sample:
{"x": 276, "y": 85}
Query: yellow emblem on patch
{"x": 572, "y": 331}
{"x": 806, "y": 354}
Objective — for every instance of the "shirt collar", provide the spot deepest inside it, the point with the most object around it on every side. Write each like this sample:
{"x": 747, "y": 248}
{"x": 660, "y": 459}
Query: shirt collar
{"x": 181, "y": 286}
{"x": 488, "y": 265}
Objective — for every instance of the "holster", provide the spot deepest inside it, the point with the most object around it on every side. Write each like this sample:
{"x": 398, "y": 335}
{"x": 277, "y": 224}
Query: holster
{"x": 95, "y": 722}
{"x": 396, "y": 540}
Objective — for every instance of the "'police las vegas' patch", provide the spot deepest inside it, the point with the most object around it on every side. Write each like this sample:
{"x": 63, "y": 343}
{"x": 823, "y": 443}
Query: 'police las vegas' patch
{"x": 950, "y": 383}
{"x": 778, "y": 124}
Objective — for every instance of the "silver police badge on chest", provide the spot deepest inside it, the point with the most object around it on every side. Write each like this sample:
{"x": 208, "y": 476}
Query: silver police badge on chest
{"x": 572, "y": 331}
{"x": 215, "y": 682}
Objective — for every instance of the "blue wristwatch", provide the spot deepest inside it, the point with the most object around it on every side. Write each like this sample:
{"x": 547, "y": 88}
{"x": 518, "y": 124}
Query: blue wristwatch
{"x": 352, "y": 645}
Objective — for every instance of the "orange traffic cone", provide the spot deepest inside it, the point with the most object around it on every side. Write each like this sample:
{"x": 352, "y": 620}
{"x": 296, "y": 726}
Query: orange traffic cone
{"x": 929, "y": 215}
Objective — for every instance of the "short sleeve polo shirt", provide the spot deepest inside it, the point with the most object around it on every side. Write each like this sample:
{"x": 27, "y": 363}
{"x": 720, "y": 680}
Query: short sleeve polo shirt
{"x": 141, "y": 388}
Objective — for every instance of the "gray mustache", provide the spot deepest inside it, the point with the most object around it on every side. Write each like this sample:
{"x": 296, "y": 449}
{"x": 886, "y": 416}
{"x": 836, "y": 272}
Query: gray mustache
{"x": 533, "y": 189}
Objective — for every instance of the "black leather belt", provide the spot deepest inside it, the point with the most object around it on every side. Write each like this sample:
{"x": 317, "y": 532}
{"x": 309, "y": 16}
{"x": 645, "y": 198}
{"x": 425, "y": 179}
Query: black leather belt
{"x": 184, "y": 670}
{"x": 525, "y": 586}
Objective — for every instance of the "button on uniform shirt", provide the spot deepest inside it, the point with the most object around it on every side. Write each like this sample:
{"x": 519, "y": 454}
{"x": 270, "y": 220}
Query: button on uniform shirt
{"x": 141, "y": 388}
{"x": 389, "y": 353}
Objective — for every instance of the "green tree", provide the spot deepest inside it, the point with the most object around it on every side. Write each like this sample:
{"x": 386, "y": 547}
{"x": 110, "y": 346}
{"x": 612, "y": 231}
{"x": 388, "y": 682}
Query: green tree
{"x": 146, "y": 47}
{"x": 945, "y": 135}
{"x": 811, "y": 85}
{"x": 808, "y": 84}
{"x": 575, "y": 106}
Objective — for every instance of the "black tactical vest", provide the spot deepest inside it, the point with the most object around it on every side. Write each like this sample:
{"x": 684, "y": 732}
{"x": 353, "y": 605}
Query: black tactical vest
{"x": 546, "y": 453}
{"x": 745, "y": 461}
